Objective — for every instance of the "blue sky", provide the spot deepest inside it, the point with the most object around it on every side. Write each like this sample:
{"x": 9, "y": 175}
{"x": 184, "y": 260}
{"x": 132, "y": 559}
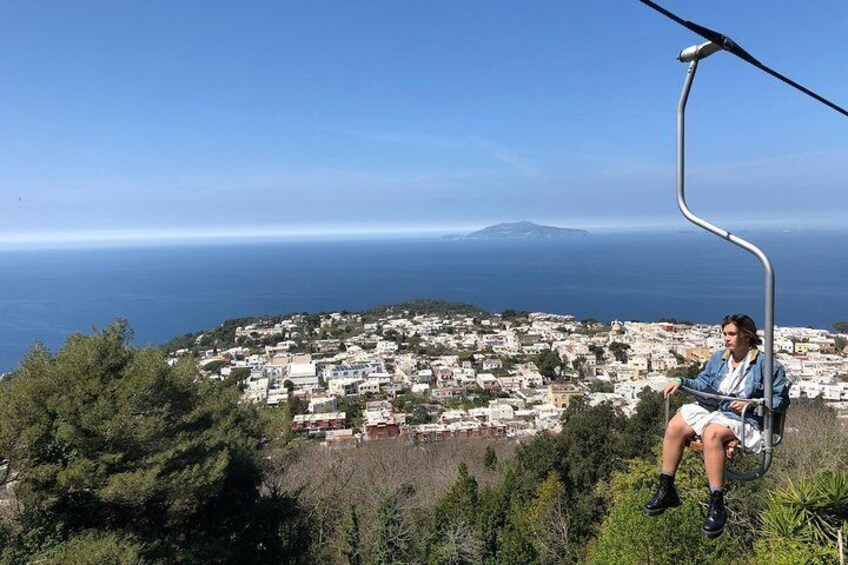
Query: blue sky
{"x": 163, "y": 119}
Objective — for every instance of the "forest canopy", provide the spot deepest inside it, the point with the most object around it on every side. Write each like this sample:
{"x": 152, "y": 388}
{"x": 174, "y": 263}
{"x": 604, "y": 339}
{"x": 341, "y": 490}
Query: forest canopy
{"x": 110, "y": 454}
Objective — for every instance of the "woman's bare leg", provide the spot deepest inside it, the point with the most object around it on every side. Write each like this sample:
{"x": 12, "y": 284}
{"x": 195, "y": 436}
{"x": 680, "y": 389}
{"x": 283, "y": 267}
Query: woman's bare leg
{"x": 714, "y": 438}
{"x": 674, "y": 442}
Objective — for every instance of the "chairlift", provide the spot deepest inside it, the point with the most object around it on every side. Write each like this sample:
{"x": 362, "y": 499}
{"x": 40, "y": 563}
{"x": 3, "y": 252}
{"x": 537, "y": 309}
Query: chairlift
{"x": 773, "y": 422}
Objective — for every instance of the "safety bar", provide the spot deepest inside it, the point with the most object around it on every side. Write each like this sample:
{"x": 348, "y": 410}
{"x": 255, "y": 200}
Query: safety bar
{"x": 768, "y": 327}
{"x": 756, "y": 401}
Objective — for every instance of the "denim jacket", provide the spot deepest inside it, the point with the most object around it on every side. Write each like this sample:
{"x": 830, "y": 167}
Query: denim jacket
{"x": 710, "y": 379}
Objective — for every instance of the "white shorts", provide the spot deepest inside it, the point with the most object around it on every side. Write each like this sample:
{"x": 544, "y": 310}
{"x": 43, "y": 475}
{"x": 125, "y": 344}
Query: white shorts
{"x": 697, "y": 417}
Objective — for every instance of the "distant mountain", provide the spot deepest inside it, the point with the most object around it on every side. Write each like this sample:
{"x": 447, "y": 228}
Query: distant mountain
{"x": 520, "y": 230}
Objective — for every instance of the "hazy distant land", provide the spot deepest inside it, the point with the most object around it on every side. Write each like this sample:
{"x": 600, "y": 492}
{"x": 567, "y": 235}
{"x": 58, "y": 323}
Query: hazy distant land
{"x": 520, "y": 230}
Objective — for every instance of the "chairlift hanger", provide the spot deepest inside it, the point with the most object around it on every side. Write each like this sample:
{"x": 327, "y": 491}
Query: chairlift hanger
{"x": 772, "y": 421}
{"x": 725, "y": 43}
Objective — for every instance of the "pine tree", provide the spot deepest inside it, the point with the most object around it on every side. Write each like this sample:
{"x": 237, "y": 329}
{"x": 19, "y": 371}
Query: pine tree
{"x": 351, "y": 550}
{"x": 490, "y": 458}
{"x": 548, "y": 518}
{"x": 392, "y": 541}
{"x": 111, "y": 443}
{"x": 453, "y": 535}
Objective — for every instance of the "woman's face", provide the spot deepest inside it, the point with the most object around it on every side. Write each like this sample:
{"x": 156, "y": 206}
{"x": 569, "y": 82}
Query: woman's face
{"x": 733, "y": 338}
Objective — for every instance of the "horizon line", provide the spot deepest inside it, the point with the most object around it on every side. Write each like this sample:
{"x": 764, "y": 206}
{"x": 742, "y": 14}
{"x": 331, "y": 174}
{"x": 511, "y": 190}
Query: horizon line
{"x": 153, "y": 236}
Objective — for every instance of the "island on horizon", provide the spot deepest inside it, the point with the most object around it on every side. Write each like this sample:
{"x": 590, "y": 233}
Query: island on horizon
{"x": 520, "y": 230}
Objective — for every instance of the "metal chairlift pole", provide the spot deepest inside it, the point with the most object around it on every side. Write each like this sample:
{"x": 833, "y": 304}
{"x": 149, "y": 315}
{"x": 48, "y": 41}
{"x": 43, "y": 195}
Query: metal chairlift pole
{"x": 715, "y": 42}
{"x": 693, "y": 55}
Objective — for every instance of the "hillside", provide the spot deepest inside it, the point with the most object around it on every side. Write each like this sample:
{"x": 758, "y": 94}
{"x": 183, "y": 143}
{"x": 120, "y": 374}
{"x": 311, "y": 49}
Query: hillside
{"x": 521, "y": 230}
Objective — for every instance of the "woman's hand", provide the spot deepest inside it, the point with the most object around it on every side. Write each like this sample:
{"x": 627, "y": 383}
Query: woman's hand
{"x": 738, "y": 405}
{"x": 671, "y": 387}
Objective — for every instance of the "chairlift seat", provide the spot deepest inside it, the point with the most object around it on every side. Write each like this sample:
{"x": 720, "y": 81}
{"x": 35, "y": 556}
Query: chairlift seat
{"x": 696, "y": 444}
{"x": 730, "y": 446}
{"x": 778, "y": 421}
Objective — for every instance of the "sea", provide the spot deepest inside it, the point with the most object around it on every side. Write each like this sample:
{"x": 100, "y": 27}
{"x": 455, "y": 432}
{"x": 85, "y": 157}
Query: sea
{"x": 169, "y": 290}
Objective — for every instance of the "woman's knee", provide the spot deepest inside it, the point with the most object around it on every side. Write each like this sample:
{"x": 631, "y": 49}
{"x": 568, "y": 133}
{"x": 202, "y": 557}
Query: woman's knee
{"x": 716, "y": 435}
{"x": 678, "y": 428}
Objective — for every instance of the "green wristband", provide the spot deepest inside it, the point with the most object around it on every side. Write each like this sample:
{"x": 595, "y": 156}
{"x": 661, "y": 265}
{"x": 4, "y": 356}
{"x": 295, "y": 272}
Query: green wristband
{"x": 678, "y": 381}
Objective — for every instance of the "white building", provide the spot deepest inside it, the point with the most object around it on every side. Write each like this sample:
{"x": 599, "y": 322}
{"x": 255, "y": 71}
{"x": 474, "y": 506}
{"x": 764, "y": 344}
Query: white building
{"x": 357, "y": 371}
{"x": 344, "y": 387}
{"x": 302, "y": 374}
{"x": 322, "y": 404}
{"x": 369, "y": 385}
{"x": 487, "y": 381}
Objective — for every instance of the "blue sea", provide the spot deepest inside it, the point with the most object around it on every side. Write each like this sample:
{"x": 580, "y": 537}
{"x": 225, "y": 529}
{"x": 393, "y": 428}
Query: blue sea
{"x": 167, "y": 291}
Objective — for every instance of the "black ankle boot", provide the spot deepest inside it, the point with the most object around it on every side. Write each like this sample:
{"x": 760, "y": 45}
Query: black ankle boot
{"x": 665, "y": 497}
{"x": 716, "y": 515}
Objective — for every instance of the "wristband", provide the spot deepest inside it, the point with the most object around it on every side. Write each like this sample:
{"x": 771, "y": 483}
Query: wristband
{"x": 678, "y": 381}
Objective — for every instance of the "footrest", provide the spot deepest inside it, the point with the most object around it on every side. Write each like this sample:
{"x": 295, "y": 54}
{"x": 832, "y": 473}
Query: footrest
{"x": 698, "y": 445}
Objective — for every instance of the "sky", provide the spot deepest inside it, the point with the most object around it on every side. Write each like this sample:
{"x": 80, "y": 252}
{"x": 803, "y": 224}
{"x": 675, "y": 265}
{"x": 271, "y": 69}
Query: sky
{"x": 165, "y": 120}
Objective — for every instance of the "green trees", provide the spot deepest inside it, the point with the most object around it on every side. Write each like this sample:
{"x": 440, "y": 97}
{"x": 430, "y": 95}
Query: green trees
{"x": 783, "y": 518}
{"x": 580, "y": 366}
{"x": 117, "y": 457}
{"x": 557, "y": 477}
{"x": 93, "y": 548}
{"x": 423, "y": 306}
{"x": 598, "y": 385}
{"x": 214, "y": 366}
{"x": 418, "y": 415}
{"x": 490, "y": 458}
{"x": 627, "y": 536}
{"x": 510, "y": 315}
{"x": 237, "y": 378}
{"x": 645, "y": 428}
{"x": 116, "y": 452}
{"x": 619, "y": 351}
{"x": 392, "y": 542}
{"x": 351, "y": 549}
{"x": 597, "y": 351}
{"x": 689, "y": 371}
{"x": 549, "y": 363}
{"x": 590, "y": 445}
{"x": 453, "y": 534}
{"x": 548, "y": 518}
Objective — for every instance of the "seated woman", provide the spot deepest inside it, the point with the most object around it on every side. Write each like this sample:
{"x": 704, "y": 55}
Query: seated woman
{"x": 736, "y": 371}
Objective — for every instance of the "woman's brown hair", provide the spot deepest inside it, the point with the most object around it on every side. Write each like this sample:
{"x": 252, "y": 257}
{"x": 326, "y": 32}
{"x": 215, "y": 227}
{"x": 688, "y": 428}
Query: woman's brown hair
{"x": 746, "y": 325}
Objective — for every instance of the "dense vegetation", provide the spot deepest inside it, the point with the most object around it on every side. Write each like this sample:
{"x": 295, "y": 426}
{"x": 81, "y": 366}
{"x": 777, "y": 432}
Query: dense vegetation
{"x": 424, "y": 307}
{"x": 111, "y": 452}
{"x": 113, "y": 456}
{"x": 223, "y": 334}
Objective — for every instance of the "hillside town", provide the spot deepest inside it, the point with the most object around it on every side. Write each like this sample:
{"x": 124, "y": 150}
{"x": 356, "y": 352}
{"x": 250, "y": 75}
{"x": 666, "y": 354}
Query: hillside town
{"x": 431, "y": 375}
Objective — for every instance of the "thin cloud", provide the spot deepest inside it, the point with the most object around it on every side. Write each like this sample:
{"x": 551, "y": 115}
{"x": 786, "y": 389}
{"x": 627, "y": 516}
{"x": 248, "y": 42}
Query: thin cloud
{"x": 469, "y": 141}
{"x": 400, "y": 138}
{"x": 506, "y": 156}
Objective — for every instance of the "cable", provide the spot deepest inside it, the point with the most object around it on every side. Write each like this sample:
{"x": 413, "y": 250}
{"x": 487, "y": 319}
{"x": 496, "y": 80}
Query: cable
{"x": 732, "y": 47}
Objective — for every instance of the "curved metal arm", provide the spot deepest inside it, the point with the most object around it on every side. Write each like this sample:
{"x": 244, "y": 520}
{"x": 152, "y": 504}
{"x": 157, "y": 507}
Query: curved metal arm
{"x": 746, "y": 245}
